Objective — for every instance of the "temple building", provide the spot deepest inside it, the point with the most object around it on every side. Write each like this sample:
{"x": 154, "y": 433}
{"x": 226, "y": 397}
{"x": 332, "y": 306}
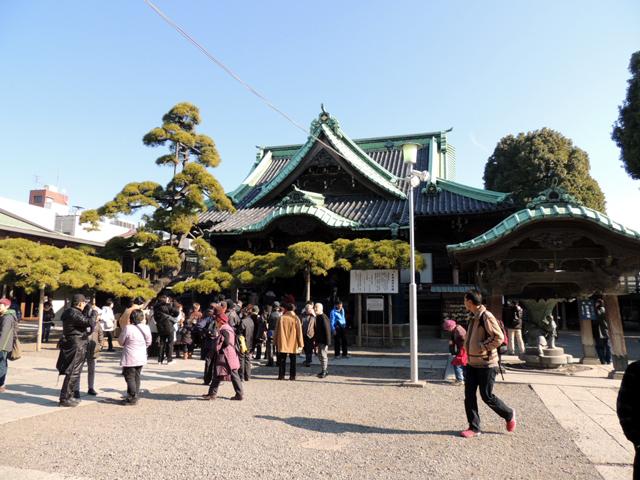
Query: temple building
{"x": 333, "y": 187}
{"x": 551, "y": 253}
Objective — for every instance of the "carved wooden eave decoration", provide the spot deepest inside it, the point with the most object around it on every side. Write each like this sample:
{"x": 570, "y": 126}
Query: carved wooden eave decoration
{"x": 552, "y": 248}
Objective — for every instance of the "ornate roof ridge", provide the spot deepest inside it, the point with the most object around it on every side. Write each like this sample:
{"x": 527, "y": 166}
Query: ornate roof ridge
{"x": 330, "y": 126}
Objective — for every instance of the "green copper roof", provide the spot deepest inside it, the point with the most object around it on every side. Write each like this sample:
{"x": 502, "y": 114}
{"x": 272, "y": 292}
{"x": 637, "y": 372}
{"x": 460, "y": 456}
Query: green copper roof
{"x": 475, "y": 193}
{"x": 259, "y": 168}
{"x": 551, "y": 204}
{"x": 348, "y": 149}
{"x": 321, "y": 213}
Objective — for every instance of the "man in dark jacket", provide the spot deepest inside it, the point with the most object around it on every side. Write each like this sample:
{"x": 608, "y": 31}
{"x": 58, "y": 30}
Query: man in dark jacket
{"x": 629, "y": 410}
{"x": 8, "y": 326}
{"x": 165, "y": 316}
{"x": 272, "y": 323}
{"x": 231, "y": 313}
{"x": 321, "y": 337}
{"x": 601, "y": 334}
{"x": 246, "y": 329}
{"x": 76, "y": 327}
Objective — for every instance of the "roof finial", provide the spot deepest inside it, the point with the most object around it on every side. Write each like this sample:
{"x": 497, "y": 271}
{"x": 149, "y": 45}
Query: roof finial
{"x": 324, "y": 115}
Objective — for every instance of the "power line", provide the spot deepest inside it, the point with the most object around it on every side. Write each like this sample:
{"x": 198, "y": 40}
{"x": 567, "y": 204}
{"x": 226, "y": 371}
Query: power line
{"x": 235, "y": 76}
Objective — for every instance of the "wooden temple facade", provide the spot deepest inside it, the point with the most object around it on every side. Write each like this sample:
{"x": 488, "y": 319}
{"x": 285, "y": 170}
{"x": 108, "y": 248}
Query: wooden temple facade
{"x": 333, "y": 187}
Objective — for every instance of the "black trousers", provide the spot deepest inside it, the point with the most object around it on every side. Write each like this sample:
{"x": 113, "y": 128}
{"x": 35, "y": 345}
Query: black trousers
{"x": 166, "y": 347}
{"x": 72, "y": 378}
{"x": 132, "y": 377}
{"x": 245, "y": 365}
{"x": 258, "y": 350}
{"x": 340, "y": 340}
{"x": 209, "y": 365}
{"x": 482, "y": 379}
{"x": 270, "y": 351}
{"x": 308, "y": 350}
{"x": 282, "y": 365}
{"x": 109, "y": 339}
{"x": 46, "y": 330}
{"x": 235, "y": 381}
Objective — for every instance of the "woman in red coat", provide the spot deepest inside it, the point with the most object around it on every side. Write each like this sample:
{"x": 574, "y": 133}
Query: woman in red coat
{"x": 226, "y": 363}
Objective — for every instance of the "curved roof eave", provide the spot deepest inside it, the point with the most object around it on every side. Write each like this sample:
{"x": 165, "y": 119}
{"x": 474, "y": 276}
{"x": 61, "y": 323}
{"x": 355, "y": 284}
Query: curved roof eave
{"x": 322, "y": 214}
{"x": 526, "y": 216}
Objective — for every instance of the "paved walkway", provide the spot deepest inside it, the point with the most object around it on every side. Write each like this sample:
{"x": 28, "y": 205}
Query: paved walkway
{"x": 583, "y": 403}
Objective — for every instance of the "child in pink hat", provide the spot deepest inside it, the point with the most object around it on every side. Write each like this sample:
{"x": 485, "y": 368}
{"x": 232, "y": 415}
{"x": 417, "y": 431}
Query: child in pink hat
{"x": 456, "y": 348}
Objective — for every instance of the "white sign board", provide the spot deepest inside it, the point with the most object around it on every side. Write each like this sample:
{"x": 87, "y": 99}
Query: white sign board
{"x": 373, "y": 281}
{"x": 375, "y": 304}
{"x": 426, "y": 274}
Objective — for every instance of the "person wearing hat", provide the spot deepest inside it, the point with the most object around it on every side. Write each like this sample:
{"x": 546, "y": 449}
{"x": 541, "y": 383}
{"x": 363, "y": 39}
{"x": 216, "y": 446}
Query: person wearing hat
{"x": 8, "y": 327}
{"x": 76, "y": 326}
{"x": 226, "y": 364}
{"x": 456, "y": 348}
{"x": 272, "y": 323}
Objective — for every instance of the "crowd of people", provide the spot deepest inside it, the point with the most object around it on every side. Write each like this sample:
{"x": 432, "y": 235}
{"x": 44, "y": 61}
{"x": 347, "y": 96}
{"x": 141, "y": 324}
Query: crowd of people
{"x": 228, "y": 335}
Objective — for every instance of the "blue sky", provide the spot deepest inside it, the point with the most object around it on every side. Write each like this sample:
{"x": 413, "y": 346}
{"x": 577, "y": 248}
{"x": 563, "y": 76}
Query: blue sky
{"x": 83, "y": 81}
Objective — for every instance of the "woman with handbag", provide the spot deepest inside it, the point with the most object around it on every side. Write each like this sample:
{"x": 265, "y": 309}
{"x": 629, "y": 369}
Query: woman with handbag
{"x": 456, "y": 348}
{"x": 225, "y": 362}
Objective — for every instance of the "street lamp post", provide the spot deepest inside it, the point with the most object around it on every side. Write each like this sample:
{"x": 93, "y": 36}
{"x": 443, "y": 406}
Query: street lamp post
{"x": 410, "y": 154}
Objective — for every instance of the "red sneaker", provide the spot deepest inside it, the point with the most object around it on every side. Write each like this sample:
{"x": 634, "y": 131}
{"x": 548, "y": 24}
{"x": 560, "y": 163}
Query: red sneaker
{"x": 468, "y": 433}
{"x": 511, "y": 424}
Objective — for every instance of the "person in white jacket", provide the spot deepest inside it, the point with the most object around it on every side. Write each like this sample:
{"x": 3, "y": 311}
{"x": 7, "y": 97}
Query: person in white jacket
{"x": 135, "y": 338}
{"x": 108, "y": 322}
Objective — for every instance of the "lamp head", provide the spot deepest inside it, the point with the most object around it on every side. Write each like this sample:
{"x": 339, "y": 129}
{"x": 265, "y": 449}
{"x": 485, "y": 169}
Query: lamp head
{"x": 410, "y": 153}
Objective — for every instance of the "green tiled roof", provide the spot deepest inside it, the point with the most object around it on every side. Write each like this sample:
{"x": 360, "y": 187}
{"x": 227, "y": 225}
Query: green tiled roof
{"x": 321, "y": 213}
{"x": 543, "y": 212}
{"x": 472, "y": 192}
{"x": 348, "y": 149}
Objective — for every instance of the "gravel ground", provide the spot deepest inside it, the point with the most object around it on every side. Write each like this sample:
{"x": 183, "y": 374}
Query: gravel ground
{"x": 357, "y": 423}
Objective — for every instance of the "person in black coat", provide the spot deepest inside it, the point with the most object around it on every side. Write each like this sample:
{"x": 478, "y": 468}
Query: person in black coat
{"x": 77, "y": 323}
{"x": 47, "y": 321}
{"x": 165, "y": 316}
{"x": 629, "y": 410}
{"x": 321, "y": 338}
{"x": 247, "y": 329}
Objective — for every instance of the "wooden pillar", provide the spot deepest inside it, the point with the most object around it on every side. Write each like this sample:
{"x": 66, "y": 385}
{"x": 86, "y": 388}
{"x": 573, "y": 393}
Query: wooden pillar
{"x": 390, "y": 307}
{"x": 616, "y": 333}
{"x": 456, "y": 275}
{"x": 494, "y": 305}
{"x": 589, "y": 354}
{"x": 359, "y": 320}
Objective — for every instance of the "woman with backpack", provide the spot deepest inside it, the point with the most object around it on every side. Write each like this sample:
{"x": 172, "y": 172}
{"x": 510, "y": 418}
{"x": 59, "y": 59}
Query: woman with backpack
{"x": 456, "y": 348}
